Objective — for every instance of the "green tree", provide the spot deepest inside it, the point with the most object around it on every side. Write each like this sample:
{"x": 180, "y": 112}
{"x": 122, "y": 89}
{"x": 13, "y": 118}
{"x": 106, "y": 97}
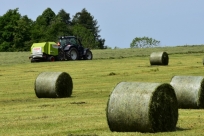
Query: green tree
{"x": 144, "y": 42}
{"x": 8, "y": 30}
{"x": 41, "y": 27}
{"x": 47, "y": 17}
{"x": 87, "y": 37}
{"x": 22, "y": 35}
{"x": 61, "y": 25}
{"x": 85, "y": 19}
{"x": 63, "y": 17}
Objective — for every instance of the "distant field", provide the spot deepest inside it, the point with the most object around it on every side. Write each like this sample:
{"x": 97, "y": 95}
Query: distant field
{"x": 23, "y": 114}
{"x": 7, "y": 58}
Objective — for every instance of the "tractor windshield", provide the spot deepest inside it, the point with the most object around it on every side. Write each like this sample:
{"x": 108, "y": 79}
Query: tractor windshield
{"x": 69, "y": 40}
{"x": 73, "y": 41}
{"x": 62, "y": 42}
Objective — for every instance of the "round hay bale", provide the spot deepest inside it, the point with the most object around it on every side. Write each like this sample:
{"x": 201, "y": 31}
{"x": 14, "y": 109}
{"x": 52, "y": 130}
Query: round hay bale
{"x": 159, "y": 58}
{"x": 143, "y": 107}
{"x": 53, "y": 85}
{"x": 189, "y": 91}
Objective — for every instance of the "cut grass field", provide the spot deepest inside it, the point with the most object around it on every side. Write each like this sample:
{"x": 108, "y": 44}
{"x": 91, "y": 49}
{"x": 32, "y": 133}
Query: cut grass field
{"x": 84, "y": 113}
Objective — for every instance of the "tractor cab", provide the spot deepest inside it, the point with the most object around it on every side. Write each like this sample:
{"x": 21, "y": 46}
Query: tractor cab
{"x": 69, "y": 40}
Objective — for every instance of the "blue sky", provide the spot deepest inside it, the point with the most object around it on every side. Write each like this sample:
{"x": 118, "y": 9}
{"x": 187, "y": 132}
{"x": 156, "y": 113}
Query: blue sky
{"x": 172, "y": 22}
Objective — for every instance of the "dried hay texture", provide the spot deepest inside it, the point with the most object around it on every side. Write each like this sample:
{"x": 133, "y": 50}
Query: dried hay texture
{"x": 53, "y": 85}
{"x": 159, "y": 58}
{"x": 142, "y": 107}
{"x": 189, "y": 91}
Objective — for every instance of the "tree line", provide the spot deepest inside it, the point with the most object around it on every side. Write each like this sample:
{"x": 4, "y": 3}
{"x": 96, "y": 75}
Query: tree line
{"x": 18, "y": 33}
{"x": 144, "y": 42}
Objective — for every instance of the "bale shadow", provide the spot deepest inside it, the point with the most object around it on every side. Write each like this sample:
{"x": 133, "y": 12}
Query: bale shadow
{"x": 181, "y": 129}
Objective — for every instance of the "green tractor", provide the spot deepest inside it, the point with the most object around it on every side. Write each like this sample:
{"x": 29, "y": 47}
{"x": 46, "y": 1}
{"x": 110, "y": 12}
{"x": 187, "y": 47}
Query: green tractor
{"x": 68, "y": 48}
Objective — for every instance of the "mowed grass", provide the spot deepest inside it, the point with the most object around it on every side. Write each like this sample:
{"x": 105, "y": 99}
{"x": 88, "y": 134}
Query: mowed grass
{"x": 22, "y": 113}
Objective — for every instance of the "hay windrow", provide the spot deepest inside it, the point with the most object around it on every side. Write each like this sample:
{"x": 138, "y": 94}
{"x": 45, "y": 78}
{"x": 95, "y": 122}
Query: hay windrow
{"x": 135, "y": 106}
{"x": 189, "y": 91}
{"x": 53, "y": 85}
{"x": 159, "y": 58}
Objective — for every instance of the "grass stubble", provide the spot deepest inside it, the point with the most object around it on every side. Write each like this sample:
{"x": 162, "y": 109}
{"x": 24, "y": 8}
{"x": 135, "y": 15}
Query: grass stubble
{"x": 22, "y": 113}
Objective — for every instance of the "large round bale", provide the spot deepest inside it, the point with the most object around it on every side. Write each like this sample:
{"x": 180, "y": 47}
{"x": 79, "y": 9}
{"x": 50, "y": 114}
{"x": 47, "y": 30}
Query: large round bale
{"x": 189, "y": 91}
{"x": 142, "y": 107}
{"x": 159, "y": 58}
{"x": 53, "y": 85}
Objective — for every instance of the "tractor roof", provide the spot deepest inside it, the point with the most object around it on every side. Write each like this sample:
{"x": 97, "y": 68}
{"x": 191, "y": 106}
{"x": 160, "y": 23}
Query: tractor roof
{"x": 66, "y": 37}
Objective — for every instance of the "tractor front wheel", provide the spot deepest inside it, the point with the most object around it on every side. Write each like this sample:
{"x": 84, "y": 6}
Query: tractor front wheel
{"x": 73, "y": 54}
{"x": 88, "y": 55}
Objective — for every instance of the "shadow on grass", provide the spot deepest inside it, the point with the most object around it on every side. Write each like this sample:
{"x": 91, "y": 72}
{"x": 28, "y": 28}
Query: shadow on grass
{"x": 181, "y": 129}
{"x": 30, "y": 71}
{"x": 78, "y": 103}
{"x": 17, "y": 101}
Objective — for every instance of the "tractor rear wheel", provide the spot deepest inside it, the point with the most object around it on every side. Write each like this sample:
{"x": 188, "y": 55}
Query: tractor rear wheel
{"x": 88, "y": 55}
{"x": 73, "y": 54}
